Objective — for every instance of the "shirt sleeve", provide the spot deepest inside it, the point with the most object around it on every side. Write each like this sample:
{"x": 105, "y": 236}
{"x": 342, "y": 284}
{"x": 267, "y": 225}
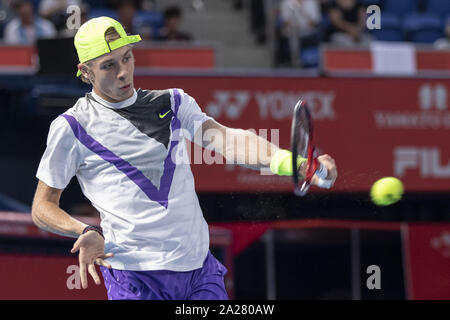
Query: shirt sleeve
{"x": 61, "y": 158}
{"x": 189, "y": 113}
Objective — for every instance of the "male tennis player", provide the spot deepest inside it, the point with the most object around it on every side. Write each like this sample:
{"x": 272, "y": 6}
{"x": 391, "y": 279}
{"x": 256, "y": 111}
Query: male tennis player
{"x": 153, "y": 242}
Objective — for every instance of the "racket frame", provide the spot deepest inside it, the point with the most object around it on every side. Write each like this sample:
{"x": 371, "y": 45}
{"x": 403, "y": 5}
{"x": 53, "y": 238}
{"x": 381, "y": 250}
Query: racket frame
{"x": 312, "y": 162}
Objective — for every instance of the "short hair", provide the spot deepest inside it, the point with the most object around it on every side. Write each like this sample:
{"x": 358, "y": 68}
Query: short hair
{"x": 15, "y": 4}
{"x": 172, "y": 11}
{"x": 110, "y": 35}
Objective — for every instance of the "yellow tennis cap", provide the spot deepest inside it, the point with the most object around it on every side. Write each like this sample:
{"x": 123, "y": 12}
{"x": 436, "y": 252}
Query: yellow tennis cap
{"x": 90, "y": 39}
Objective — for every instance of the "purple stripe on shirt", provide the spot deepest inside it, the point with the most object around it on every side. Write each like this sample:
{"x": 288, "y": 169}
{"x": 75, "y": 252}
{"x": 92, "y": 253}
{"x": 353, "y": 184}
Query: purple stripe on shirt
{"x": 177, "y": 100}
{"x": 169, "y": 165}
{"x": 161, "y": 196}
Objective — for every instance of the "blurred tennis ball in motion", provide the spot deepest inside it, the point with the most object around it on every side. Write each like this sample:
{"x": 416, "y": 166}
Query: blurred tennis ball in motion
{"x": 386, "y": 191}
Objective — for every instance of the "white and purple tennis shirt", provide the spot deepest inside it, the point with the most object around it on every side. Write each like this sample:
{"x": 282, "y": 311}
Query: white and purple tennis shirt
{"x": 122, "y": 156}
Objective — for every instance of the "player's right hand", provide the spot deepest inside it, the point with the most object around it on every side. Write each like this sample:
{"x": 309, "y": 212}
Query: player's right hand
{"x": 92, "y": 251}
{"x": 329, "y": 163}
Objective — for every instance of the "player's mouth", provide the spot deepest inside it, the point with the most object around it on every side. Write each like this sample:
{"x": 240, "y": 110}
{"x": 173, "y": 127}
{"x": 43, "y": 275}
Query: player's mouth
{"x": 125, "y": 87}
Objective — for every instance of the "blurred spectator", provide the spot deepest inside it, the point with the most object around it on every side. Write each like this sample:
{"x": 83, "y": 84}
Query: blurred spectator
{"x": 126, "y": 11}
{"x": 148, "y": 5}
{"x": 324, "y": 6}
{"x": 170, "y": 30}
{"x": 444, "y": 43}
{"x": 348, "y": 22}
{"x": 6, "y": 14}
{"x": 56, "y": 11}
{"x": 300, "y": 19}
{"x": 258, "y": 20}
{"x": 27, "y": 27}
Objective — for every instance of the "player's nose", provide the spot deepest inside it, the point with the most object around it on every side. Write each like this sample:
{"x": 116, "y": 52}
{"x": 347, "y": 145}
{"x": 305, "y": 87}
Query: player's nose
{"x": 123, "y": 73}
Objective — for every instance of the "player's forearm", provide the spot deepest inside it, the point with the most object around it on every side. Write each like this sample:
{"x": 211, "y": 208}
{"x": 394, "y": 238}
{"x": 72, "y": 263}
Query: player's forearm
{"x": 237, "y": 146}
{"x": 246, "y": 148}
{"x": 48, "y": 216}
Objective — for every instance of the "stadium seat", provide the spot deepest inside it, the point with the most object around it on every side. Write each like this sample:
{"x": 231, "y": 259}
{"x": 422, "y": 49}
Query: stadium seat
{"x": 391, "y": 29}
{"x": 438, "y": 7}
{"x": 400, "y": 7}
{"x": 423, "y": 28}
{"x": 310, "y": 57}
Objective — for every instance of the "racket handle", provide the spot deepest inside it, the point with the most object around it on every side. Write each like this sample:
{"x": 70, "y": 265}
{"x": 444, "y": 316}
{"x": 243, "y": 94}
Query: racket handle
{"x": 321, "y": 172}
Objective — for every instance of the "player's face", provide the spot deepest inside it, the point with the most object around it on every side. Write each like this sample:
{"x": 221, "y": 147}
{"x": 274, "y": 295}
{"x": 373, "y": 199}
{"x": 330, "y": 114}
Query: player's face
{"x": 113, "y": 75}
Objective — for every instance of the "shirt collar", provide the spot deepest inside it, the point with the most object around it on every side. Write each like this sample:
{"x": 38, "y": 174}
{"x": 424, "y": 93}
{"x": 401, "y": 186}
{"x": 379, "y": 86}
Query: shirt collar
{"x": 116, "y": 105}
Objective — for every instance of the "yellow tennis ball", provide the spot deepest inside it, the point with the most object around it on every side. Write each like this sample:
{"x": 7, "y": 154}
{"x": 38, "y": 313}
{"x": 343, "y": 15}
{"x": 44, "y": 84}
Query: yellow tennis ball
{"x": 386, "y": 191}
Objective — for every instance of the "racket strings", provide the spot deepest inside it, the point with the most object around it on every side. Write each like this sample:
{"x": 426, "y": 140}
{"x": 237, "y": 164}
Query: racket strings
{"x": 303, "y": 146}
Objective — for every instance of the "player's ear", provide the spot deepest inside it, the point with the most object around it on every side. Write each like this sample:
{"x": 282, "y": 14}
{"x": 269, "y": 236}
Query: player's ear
{"x": 86, "y": 74}
{"x": 84, "y": 70}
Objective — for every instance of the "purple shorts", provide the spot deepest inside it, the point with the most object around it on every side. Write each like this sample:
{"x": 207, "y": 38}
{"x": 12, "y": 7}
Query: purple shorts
{"x": 206, "y": 283}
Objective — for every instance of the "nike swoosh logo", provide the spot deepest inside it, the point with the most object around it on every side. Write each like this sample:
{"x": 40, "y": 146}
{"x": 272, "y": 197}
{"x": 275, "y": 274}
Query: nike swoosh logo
{"x": 163, "y": 115}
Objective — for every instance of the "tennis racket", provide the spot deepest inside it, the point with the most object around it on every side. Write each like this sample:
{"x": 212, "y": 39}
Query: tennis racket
{"x": 302, "y": 144}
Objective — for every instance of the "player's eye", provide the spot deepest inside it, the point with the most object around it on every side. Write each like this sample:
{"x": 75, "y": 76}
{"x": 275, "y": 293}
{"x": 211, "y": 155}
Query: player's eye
{"x": 108, "y": 65}
{"x": 126, "y": 59}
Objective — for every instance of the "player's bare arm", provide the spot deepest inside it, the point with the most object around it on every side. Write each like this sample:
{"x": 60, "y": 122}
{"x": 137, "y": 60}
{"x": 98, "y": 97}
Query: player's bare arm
{"x": 225, "y": 141}
{"x": 256, "y": 147}
{"x": 47, "y": 215}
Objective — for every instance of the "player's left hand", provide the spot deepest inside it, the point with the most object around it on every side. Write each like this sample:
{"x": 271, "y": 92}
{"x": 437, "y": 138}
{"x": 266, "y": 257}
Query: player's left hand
{"x": 91, "y": 246}
{"x": 329, "y": 163}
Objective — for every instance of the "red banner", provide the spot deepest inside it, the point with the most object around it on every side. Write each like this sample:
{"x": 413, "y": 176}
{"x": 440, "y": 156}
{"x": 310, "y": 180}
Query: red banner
{"x": 373, "y": 127}
{"x": 427, "y": 254}
{"x": 27, "y": 277}
{"x": 42, "y": 276}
